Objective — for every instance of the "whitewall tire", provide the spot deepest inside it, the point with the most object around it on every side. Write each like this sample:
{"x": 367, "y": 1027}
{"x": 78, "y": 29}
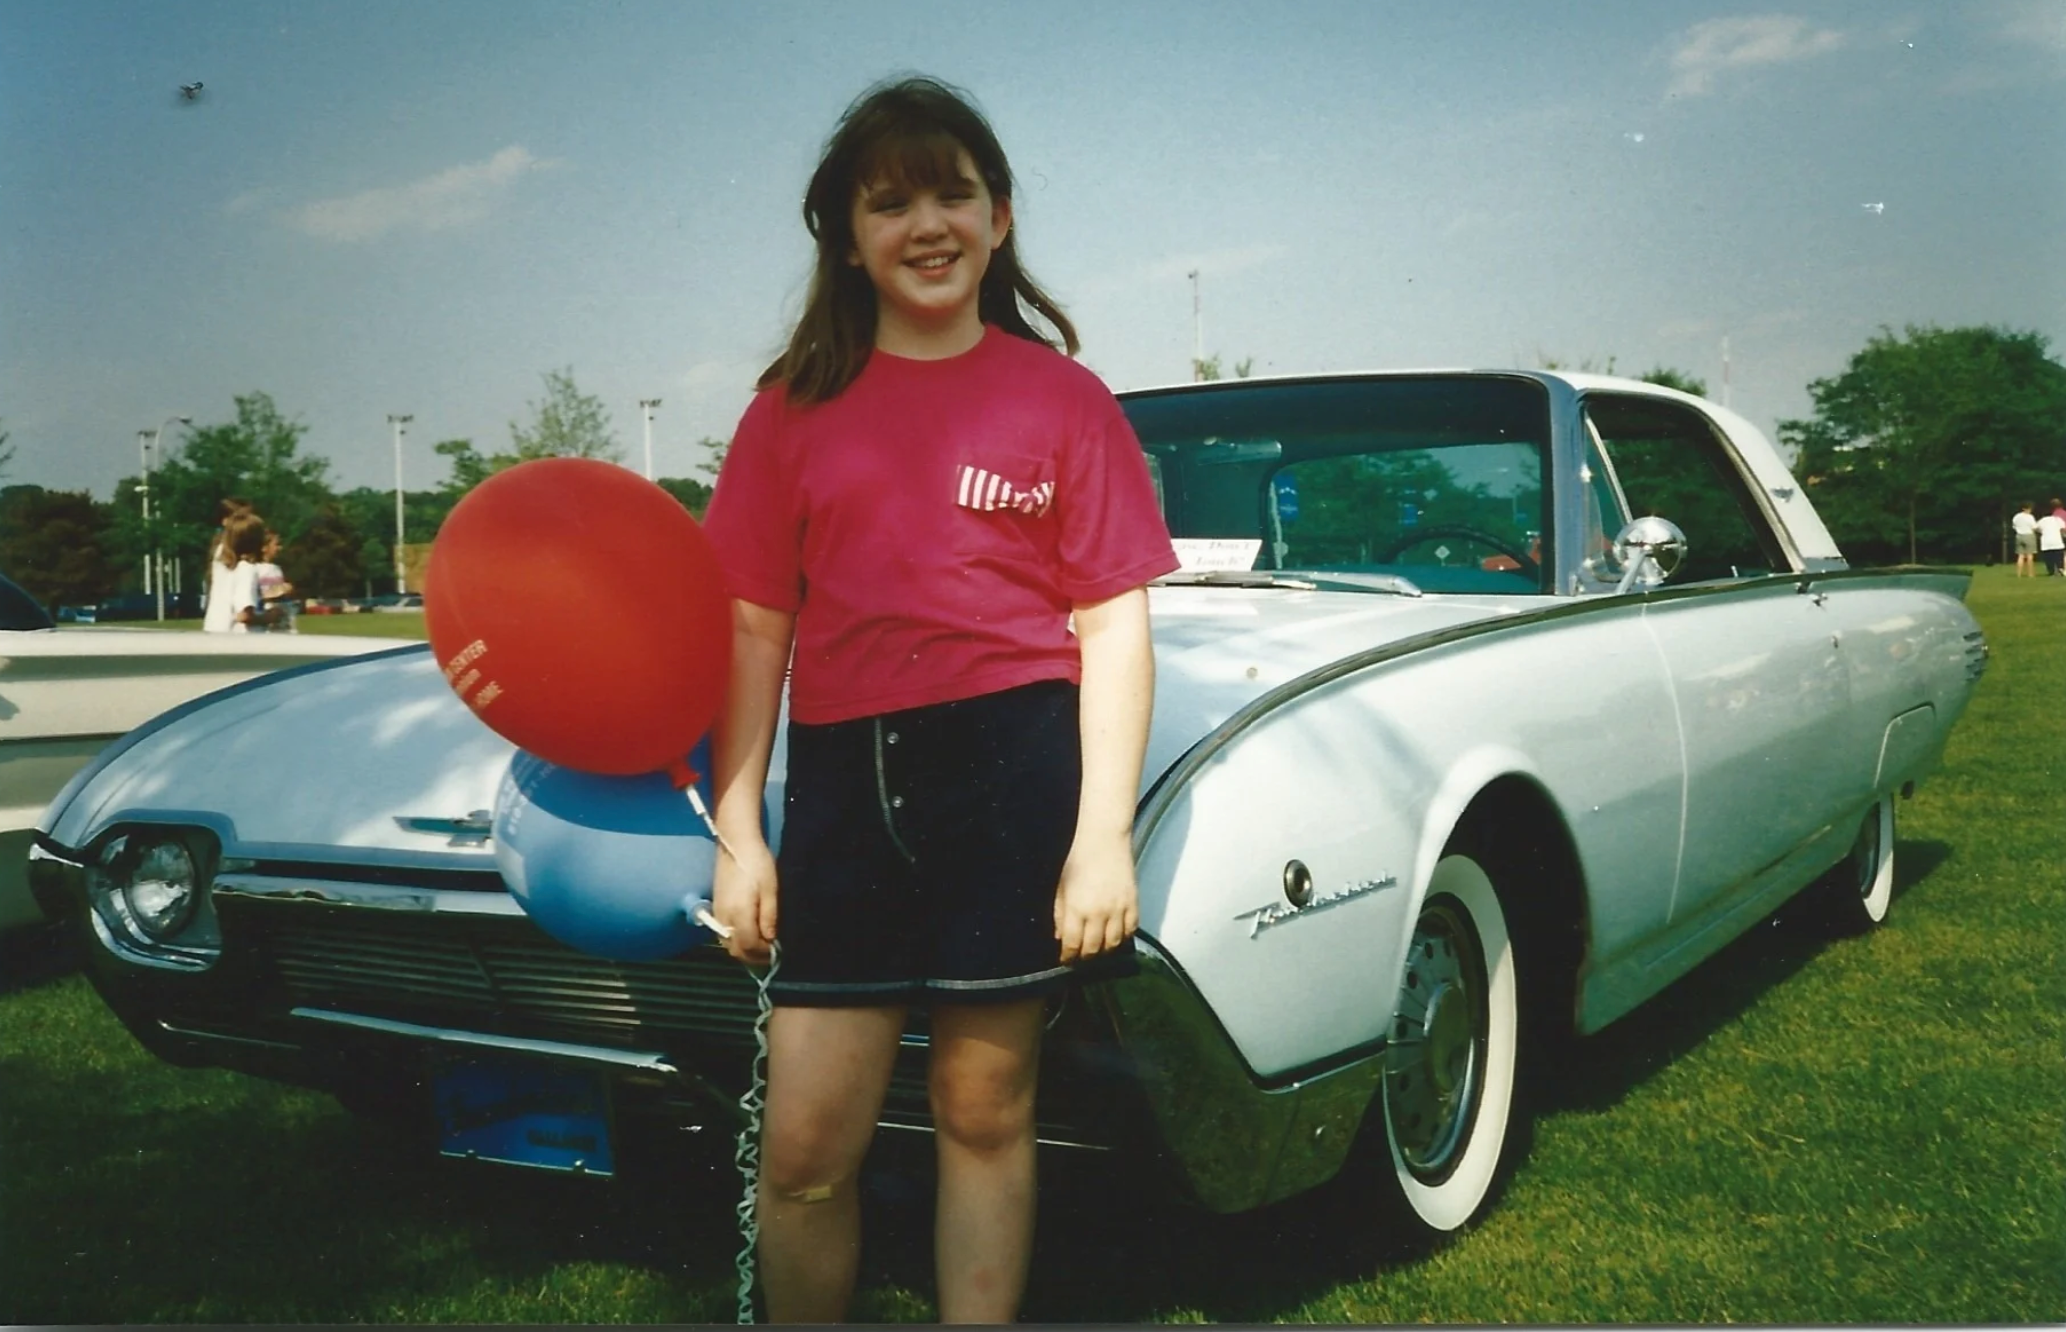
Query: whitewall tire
{"x": 1860, "y": 889}
{"x": 1446, "y": 1100}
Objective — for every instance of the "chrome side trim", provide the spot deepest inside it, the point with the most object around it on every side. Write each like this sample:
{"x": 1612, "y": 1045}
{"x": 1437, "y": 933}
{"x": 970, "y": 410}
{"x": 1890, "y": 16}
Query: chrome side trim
{"x": 1238, "y": 1145}
{"x": 645, "y": 1061}
{"x": 380, "y": 896}
{"x": 1156, "y": 803}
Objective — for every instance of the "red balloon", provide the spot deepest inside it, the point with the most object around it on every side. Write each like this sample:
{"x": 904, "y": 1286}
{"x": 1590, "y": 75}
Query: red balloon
{"x": 579, "y": 610}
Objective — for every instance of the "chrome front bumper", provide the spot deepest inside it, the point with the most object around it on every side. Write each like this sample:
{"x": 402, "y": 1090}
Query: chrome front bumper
{"x": 1235, "y": 1142}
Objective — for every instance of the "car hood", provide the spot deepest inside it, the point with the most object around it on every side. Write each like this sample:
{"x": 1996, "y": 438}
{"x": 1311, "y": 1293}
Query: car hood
{"x": 377, "y": 757}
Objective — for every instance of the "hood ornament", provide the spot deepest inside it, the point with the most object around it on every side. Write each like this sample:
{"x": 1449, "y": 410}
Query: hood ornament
{"x": 473, "y": 830}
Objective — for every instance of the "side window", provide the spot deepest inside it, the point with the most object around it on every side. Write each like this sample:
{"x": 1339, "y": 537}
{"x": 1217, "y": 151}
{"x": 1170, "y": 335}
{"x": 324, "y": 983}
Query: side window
{"x": 1669, "y": 462}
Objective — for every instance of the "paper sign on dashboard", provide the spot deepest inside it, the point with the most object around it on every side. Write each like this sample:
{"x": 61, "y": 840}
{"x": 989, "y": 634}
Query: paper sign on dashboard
{"x": 1210, "y": 554}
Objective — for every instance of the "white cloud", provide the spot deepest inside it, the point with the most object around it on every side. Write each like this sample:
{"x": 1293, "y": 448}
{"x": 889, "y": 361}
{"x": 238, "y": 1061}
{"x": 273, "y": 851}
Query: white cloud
{"x": 451, "y": 198}
{"x": 1724, "y": 45}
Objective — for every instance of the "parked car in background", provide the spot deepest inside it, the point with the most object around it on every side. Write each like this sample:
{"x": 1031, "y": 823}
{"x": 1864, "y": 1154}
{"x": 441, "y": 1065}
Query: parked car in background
{"x": 66, "y": 693}
{"x": 133, "y": 606}
{"x": 387, "y": 601}
{"x": 1487, "y": 704}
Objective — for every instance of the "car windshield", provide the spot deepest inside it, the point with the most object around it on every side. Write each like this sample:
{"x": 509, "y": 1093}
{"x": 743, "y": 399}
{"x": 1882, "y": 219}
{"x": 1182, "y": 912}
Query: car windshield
{"x": 1437, "y": 480}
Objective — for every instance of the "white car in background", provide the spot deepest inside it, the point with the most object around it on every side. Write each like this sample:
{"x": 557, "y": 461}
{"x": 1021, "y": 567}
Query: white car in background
{"x": 65, "y": 693}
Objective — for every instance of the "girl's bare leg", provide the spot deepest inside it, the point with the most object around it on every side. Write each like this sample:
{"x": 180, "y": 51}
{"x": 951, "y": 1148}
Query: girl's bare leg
{"x": 984, "y": 1061}
{"x": 828, "y": 1069}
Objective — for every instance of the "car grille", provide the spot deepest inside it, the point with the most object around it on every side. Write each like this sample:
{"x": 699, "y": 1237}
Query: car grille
{"x": 503, "y": 971}
{"x": 504, "y": 976}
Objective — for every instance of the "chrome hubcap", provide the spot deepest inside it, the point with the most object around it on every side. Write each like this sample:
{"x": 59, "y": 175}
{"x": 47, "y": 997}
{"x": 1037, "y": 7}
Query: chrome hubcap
{"x": 1436, "y": 1051}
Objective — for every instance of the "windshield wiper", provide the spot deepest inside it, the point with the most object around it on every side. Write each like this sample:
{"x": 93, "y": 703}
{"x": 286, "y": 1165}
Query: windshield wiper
{"x": 1302, "y": 581}
{"x": 1236, "y": 578}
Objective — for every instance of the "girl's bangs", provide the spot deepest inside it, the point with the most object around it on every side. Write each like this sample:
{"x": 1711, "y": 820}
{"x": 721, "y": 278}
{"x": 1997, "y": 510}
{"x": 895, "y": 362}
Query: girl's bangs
{"x": 910, "y": 158}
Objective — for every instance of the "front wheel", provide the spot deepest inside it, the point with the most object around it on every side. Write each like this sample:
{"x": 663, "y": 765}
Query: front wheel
{"x": 1446, "y": 1099}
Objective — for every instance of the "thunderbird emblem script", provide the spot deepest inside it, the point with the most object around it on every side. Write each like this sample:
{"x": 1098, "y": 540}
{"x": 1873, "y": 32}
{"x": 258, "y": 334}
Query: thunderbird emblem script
{"x": 1262, "y": 918}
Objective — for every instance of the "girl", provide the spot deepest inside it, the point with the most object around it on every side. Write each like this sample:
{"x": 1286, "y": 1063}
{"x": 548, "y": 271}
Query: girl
{"x": 234, "y": 581}
{"x": 216, "y": 616}
{"x": 920, "y": 497}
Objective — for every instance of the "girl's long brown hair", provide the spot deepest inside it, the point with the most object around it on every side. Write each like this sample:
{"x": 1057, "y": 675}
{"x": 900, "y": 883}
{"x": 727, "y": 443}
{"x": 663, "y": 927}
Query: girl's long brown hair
{"x": 908, "y": 133}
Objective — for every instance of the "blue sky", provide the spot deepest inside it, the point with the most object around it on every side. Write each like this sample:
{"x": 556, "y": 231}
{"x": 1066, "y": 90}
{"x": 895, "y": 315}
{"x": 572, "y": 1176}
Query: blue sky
{"x": 383, "y": 207}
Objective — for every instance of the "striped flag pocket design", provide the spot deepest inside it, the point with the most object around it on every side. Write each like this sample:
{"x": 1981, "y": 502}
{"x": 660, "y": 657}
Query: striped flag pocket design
{"x": 986, "y": 491}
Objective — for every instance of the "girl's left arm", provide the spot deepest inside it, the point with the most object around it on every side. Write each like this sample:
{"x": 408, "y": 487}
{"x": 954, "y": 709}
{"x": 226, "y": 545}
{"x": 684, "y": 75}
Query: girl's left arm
{"x": 1096, "y": 907}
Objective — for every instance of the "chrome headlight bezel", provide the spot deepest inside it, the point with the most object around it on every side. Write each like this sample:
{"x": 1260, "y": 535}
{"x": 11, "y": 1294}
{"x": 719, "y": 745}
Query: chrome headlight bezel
{"x": 149, "y": 889}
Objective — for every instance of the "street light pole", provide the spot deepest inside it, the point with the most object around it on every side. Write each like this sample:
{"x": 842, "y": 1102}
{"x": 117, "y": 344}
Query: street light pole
{"x": 648, "y": 404}
{"x": 143, "y": 450}
{"x": 154, "y": 561}
{"x": 399, "y": 420}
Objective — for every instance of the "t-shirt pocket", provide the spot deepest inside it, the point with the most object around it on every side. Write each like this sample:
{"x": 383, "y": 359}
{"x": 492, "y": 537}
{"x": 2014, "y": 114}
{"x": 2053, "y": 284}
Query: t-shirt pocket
{"x": 1002, "y": 503}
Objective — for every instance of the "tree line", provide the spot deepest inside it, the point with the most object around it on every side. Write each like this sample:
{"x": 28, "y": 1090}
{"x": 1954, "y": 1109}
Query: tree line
{"x": 67, "y": 548}
{"x": 1919, "y": 451}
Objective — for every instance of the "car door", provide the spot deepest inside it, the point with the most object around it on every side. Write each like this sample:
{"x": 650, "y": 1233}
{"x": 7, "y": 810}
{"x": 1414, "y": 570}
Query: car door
{"x": 1760, "y": 687}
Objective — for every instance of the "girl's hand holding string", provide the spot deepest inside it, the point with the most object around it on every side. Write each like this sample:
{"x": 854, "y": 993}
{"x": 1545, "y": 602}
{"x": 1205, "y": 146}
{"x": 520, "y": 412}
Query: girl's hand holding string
{"x": 1098, "y": 905}
{"x": 743, "y": 897}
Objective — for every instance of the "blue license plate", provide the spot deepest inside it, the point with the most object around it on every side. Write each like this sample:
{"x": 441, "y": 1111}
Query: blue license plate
{"x": 523, "y": 1113}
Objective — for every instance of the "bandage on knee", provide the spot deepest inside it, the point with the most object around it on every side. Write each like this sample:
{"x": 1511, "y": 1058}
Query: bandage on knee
{"x": 819, "y": 1193}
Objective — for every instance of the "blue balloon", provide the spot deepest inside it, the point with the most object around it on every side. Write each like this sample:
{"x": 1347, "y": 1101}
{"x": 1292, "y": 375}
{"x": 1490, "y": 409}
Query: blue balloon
{"x": 613, "y": 866}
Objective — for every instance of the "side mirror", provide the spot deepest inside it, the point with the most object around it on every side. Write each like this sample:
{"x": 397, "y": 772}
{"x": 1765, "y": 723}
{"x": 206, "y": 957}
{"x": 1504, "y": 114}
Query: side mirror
{"x": 1648, "y": 550}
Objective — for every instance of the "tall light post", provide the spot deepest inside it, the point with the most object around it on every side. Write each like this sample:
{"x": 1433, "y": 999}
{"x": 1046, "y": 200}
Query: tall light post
{"x": 648, "y": 404}
{"x": 398, "y": 421}
{"x": 154, "y": 560}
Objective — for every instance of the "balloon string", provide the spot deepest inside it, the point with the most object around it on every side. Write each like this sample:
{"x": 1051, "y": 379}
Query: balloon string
{"x": 696, "y": 803}
{"x": 746, "y": 1155}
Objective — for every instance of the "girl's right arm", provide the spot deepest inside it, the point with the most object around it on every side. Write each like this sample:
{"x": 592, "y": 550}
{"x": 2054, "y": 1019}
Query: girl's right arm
{"x": 743, "y": 889}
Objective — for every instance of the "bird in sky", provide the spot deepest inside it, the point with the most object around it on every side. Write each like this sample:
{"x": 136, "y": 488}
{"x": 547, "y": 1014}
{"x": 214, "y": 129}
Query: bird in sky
{"x": 190, "y": 91}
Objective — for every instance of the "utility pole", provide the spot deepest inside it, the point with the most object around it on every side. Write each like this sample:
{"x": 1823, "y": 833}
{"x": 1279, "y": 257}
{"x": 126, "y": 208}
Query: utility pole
{"x": 154, "y": 561}
{"x": 143, "y": 449}
{"x": 398, "y": 421}
{"x": 647, "y": 405}
{"x": 1725, "y": 369}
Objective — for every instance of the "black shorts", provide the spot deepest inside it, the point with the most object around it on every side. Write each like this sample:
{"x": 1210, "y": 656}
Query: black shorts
{"x": 921, "y": 851}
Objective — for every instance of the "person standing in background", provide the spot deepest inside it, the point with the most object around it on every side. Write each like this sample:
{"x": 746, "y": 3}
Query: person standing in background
{"x": 275, "y": 593}
{"x": 215, "y": 612}
{"x": 2024, "y": 524}
{"x": 233, "y": 600}
{"x": 2051, "y": 539}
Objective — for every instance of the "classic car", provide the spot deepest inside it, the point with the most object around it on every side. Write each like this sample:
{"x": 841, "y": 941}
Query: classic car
{"x": 1487, "y": 704}
{"x": 65, "y": 693}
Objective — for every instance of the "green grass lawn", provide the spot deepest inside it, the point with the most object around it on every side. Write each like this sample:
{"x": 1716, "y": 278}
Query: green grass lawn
{"x": 1804, "y": 1130}
{"x": 378, "y": 624}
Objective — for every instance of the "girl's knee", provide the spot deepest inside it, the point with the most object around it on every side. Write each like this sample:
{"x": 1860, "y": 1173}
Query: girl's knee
{"x": 982, "y": 1115}
{"x": 807, "y": 1167}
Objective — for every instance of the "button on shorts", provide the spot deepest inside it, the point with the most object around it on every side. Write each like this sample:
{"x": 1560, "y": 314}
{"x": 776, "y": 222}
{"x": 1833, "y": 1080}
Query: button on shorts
{"x": 921, "y": 852}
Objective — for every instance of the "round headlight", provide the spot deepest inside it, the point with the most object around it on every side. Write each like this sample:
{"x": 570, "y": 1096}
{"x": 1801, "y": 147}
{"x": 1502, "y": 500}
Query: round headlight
{"x": 162, "y": 889}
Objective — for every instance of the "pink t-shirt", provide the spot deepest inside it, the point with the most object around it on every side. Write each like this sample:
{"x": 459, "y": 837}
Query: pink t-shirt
{"x": 933, "y": 525}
